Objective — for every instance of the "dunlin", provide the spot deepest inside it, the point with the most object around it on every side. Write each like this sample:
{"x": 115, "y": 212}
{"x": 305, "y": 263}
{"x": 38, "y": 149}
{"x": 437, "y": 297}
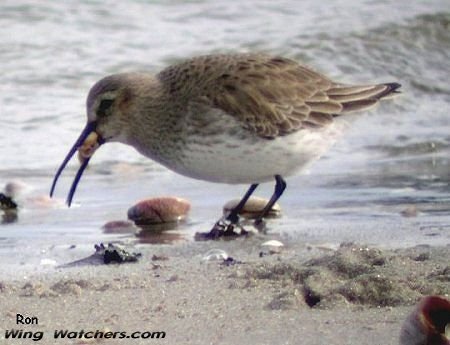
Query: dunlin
{"x": 242, "y": 118}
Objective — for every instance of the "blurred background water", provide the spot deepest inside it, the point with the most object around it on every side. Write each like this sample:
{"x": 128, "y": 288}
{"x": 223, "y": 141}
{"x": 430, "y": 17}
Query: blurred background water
{"x": 395, "y": 158}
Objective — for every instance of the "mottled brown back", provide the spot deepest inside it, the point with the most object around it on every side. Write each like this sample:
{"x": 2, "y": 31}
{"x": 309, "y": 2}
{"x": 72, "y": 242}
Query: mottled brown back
{"x": 270, "y": 96}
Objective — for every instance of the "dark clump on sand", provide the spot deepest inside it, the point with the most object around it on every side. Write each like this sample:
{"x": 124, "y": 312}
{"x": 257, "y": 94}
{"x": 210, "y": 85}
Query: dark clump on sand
{"x": 355, "y": 275}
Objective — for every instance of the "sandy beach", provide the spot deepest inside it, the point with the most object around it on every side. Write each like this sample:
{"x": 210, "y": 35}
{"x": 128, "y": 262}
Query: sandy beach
{"x": 308, "y": 294}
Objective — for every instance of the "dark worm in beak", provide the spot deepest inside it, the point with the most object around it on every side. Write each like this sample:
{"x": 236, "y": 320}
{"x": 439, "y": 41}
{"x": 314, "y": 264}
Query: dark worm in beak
{"x": 90, "y": 128}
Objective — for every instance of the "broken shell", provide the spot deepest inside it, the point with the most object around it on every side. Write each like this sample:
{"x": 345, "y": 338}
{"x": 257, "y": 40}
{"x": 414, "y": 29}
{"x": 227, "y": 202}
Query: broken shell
{"x": 428, "y": 323}
{"x": 253, "y": 208}
{"x": 215, "y": 255}
{"x": 272, "y": 247}
{"x": 159, "y": 210}
{"x": 87, "y": 149}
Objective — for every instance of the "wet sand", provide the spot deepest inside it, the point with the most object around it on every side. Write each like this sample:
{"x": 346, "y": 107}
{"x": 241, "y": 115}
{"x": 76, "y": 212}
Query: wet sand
{"x": 321, "y": 294}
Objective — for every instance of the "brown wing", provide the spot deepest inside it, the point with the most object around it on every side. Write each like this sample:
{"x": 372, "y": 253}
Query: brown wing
{"x": 271, "y": 96}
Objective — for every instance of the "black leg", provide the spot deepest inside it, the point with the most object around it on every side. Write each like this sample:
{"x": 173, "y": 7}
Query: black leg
{"x": 280, "y": 186}
{"x": 233, "y": 217}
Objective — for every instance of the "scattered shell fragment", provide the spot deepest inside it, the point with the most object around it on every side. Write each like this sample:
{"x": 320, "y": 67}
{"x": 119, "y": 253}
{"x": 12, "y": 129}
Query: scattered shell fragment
{"x": 159, "y": 210}
{"x": 272, "y": 247}
{"x": 215, "y": 255}
{"x": 429, "y": 323}
{"x": 115, "y": 253}
{"x": 253, "y": 208}
{"x": 87, "y": 149}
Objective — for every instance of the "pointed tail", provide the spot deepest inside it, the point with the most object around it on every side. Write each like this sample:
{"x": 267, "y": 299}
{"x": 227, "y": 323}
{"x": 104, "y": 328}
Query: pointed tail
{"x": 361, "y": 97}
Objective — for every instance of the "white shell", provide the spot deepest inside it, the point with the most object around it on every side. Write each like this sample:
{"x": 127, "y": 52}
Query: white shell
{"x": 215, "y": 255}
{"x": 273, "y": 246}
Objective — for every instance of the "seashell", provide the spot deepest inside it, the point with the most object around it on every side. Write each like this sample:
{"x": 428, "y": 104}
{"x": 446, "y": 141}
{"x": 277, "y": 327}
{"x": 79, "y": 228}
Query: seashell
{"x": 159, "y": 210}
{"x": 215, "y": 255}
{"x": 253, "y": 208}
{"x": 272, "y": 247}
{"x": 428, "y": 323}
{"x": 87, "y": 149}
{"x": 16, "y": 187}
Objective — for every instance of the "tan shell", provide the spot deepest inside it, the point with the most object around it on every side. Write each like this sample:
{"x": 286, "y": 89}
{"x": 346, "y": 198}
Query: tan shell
{"x": 253, "y": 208}
{"x": 87, "y": 149}
{"x": 428, "y": 323}
{"x": 159, "y": 210}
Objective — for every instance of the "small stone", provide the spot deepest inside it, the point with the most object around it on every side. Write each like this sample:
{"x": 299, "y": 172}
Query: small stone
{"x": 159, "y": 210}
{"x": 253, "y": 208}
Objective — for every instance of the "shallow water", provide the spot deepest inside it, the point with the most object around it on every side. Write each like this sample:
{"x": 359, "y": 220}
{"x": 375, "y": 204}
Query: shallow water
{"x": 393, "y": 158}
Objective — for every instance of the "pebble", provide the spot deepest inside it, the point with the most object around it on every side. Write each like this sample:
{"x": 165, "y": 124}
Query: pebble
{"x": 253, "y": 208}
{"x": 159, "y": 210}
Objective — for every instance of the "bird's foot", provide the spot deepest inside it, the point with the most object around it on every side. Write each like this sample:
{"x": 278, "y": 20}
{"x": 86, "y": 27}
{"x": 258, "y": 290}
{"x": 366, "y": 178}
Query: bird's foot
{"x": 260, "y": 225}
{"x": 223, "y": 228}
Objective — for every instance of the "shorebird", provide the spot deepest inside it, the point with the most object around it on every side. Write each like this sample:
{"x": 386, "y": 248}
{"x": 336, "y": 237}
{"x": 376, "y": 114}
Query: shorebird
{"x": 231, "y": 118}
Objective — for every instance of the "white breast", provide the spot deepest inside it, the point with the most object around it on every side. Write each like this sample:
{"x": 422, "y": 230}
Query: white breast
{"x": 220, "y": 150}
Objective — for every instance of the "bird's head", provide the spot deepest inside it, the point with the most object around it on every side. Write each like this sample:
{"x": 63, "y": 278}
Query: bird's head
{"x": 109, "y": 109}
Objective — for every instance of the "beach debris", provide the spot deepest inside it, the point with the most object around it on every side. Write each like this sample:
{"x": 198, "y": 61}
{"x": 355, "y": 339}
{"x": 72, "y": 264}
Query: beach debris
{"x": 271, "y": 247}
{"x": 220, "y": 256}
{"x": 215, "y": 255}
{"x": 252, "y": 208}
{"x": 119, "y": 227}
{"x": 7, "y": 203}
{"x": 115, "y": 253}
{"x": 218, "y": 232}
{"x": 87, "y": 149}
{"x": 159, "y": 210}
{"x": 9, "y": 208}
{"x": 428, "y": 324}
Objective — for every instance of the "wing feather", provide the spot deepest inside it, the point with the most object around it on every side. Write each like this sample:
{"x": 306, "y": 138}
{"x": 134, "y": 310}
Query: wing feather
{"x": 270, "y": 96}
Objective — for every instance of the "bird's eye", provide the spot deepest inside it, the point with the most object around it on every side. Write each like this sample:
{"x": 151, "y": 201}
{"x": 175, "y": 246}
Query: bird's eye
{"x": 104, "y": 107}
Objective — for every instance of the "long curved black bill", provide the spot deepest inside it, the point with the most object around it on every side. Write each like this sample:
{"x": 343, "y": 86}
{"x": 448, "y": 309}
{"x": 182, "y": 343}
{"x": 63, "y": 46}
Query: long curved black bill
{"x": 90, "y": 127}
{"x": 74, "y": 185}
